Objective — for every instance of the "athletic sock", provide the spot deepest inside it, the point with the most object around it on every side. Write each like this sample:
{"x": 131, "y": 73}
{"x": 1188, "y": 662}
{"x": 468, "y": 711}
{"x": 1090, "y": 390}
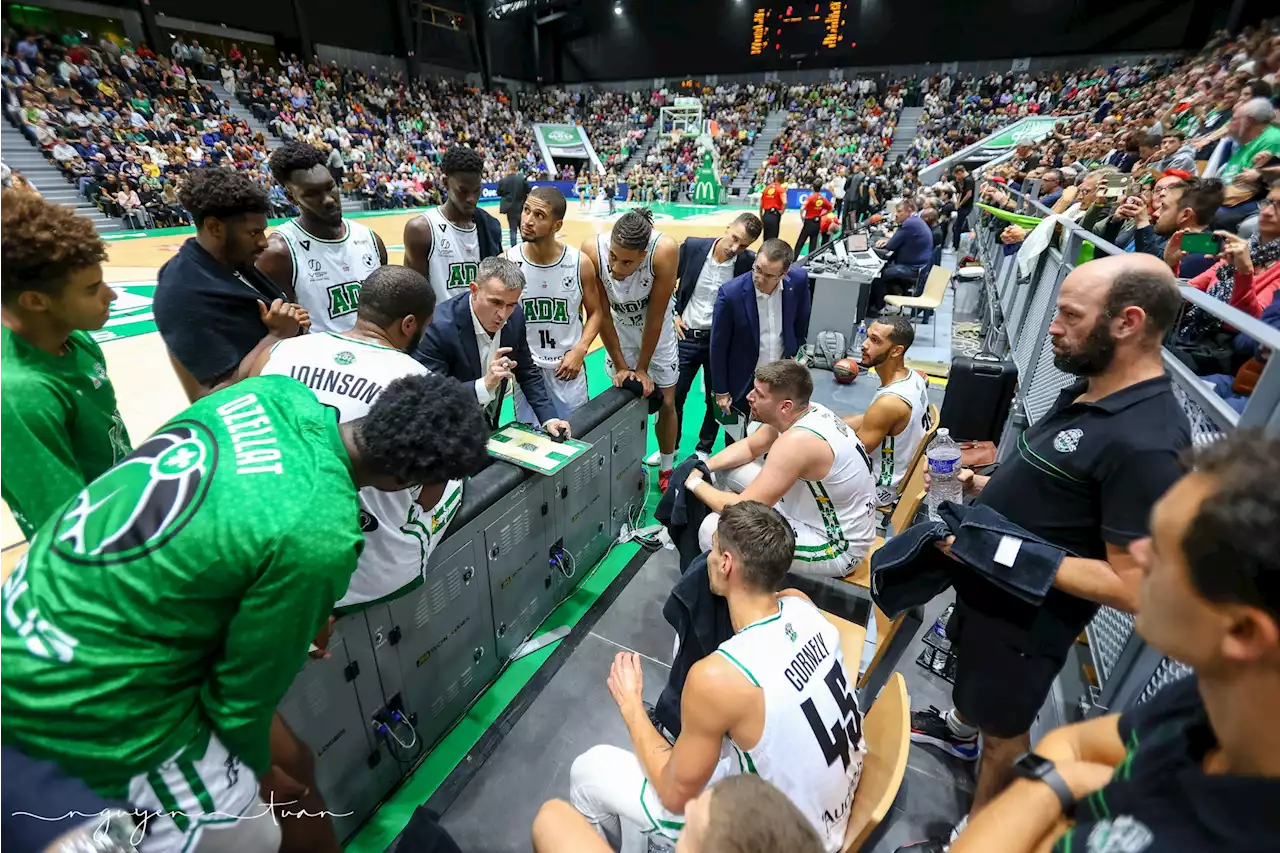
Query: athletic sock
{"x": 959, "y": 729}
{"x": 958, "y": 828}
{"x": 667, "y": 461}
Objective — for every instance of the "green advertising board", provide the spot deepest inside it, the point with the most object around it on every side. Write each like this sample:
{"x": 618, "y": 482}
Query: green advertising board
{"x": 1027, "y": 130}
{"x": 563, "y": 140}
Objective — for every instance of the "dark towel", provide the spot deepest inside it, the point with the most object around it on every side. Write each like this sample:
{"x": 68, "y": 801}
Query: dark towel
{"x": 701, "y": 621}
{"x": 908, "y": 571}
{"x": 682, "y": 515}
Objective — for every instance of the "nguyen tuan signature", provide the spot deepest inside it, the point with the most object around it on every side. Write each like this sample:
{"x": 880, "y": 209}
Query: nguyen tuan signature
{"x": 141, "y": 817}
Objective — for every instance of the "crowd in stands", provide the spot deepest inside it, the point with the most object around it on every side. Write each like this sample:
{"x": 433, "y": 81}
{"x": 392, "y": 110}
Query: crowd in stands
{"x": 121, "y": 123}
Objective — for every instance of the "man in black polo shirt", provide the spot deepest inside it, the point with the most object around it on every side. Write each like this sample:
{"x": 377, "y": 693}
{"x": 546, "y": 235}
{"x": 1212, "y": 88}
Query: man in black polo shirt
{"x": 1197, "y": 767}
{"x": 1084, "y": 477}
{"x": 216, "y": 312}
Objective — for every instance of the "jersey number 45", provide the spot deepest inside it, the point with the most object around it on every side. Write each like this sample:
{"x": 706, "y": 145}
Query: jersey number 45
{"x": 834, "y": 740}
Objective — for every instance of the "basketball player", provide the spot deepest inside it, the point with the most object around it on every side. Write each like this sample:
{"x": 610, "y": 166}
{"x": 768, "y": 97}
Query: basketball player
{"x": 158, "y": 619}
{"x": 636, "y": 266}
{"x": 815, "y": 473}
{"x": 741, "y": 813}
{"x": 60, "y": 423}
{"x": 777, "y": 690}
{"x": 318, "y": 259}
{"x": 447, "y": 243}
{"x": 559, "y": 285}
{"x": 895, "y": 423}
{"x": 348, "y": 371}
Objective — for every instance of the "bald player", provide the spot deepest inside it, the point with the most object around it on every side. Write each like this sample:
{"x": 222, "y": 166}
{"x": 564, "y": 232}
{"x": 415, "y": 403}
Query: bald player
{"x": 560, "y": 286}
{"x": 636, "y": 266}
{"x": 1083, "y": 478}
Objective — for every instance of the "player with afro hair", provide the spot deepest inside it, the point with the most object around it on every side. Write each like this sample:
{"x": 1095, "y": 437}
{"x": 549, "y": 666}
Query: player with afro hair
{"x": 421, "y": 430}
{"x": 61, "y": 428}
{"x": 471, "y": 233}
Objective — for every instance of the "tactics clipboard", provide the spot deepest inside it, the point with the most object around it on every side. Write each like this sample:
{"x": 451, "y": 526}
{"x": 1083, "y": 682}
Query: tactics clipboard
{"x": 533, "y": 449}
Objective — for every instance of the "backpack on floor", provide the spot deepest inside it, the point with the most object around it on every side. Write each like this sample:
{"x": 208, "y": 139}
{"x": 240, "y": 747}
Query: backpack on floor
{"x": 827, "y": 349}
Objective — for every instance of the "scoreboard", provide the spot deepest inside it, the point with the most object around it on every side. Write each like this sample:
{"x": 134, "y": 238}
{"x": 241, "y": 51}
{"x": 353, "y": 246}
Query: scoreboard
{"x": 817, "y": 28}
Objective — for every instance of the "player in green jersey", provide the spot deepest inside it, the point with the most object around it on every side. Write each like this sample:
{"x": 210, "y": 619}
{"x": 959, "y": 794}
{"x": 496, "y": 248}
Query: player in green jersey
{"x": 160, "y": 615}
{"x": 59, "y": 420}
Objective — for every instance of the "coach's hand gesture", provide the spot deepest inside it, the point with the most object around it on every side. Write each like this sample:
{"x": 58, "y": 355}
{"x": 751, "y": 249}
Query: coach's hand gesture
{"x": 500, "y": 368}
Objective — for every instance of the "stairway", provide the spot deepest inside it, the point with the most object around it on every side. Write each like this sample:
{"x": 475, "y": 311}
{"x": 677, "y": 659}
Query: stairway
{"x": 242, "y": 112}
{"x": 760, "y": 146}
{"x": 905, "y": 135}
{"x": 21, "y": 155}
{"x": 642, "y": 148}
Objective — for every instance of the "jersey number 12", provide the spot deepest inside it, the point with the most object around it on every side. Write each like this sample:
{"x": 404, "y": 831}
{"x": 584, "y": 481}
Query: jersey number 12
{"x": 835, "y": 739}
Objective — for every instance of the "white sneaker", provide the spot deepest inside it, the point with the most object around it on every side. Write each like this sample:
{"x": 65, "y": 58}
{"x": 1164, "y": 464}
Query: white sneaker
{"x": 653, "y": 459}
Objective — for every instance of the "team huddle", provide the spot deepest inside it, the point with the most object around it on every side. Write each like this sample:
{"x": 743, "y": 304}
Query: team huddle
{"x": 143, "y": 638}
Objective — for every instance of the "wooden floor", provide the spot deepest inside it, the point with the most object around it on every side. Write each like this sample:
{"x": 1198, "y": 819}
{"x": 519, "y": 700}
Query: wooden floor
{"x": 147, "y": 390}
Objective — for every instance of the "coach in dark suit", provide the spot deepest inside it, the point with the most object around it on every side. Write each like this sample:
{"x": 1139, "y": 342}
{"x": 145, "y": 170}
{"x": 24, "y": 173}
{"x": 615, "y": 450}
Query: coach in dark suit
{"x": 759, "y": 318}
{"x": 479, "y": 339}
{"x": 513, "y": 189}
{"x": 706, "y": 263}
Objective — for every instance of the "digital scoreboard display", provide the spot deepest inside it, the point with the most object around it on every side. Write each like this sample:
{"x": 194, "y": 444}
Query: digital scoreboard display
{"x": 803, "y": 30}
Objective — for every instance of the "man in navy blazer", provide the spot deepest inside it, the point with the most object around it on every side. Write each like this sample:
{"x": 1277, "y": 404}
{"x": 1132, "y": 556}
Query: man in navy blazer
{"x": 707, "y": 263}
{"x": 768, "y": 307}
{"x": 479, "y": 339}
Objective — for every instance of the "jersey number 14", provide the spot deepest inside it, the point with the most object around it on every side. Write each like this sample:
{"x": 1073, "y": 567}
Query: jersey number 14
{"x": 834, "y": 740}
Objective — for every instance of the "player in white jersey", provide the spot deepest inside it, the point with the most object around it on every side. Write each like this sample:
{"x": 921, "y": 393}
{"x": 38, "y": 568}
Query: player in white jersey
{"x": 637, "y": 267}
{"x": 895, "y": 423}
{"x": 348, "y": 371}
{"x": 778, "y": 690}
{"x": 815, "y": 473}
{"x": 318, "y": 259}
{"x": 559, "y": 286}
{"x": 444, "y": 244}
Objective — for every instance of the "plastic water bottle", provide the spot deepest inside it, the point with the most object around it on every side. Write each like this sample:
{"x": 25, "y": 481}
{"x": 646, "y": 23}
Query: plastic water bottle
{"x": 943, "y": 456}
{"x": 855, "y": 352}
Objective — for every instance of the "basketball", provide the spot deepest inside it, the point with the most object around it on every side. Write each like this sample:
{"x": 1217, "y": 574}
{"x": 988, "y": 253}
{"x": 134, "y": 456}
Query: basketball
{"x": 846, "y": 370}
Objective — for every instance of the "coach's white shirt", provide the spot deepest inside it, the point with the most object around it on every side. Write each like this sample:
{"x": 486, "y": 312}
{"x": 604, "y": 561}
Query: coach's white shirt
{"x": 697, "y": 314}
{"x": 486, "y": 345}
{"x": 769, "y": 307}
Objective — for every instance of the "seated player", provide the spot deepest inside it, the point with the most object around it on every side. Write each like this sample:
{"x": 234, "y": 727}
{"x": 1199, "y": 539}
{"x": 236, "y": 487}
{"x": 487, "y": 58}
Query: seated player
{"x": 741, "y": 813}
{"x": 785, "y": 657}
{"x": 1192, "y": 767}
{"x": 814, "y": 471}
{"x": 636, "y": 266}
{"x": 559, "y": 287}
{"x": 893, "y": 426}
{"x": 158, "y": 619}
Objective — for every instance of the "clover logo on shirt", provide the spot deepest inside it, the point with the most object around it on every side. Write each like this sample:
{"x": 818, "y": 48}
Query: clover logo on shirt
{"x": 140, "y": 504}
{"x": 344, "y": 357}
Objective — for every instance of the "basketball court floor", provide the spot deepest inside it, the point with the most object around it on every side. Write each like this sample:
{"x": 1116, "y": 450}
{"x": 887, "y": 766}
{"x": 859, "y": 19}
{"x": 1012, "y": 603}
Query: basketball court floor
{"x": 513, "y": 749}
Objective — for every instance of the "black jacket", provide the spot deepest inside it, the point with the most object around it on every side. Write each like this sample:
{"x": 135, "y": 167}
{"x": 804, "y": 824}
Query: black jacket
{"x": 681, "y": 514}
{"x": 693, "y": 255}
{"x": 513, "y": 189}
{"x": 701, "y": 621}
{"x": 449, "y": 348}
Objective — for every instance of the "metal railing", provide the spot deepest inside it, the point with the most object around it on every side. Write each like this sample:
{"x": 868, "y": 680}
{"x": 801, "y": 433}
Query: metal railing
{"x": 1017, "y": 315}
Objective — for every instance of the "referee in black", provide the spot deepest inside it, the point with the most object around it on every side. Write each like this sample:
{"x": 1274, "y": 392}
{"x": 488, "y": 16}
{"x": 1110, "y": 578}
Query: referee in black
{"x": 1084, "y": 477}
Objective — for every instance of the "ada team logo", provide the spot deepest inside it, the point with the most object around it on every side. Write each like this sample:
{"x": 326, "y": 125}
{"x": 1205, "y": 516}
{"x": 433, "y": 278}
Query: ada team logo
{"x": 344, "y": 357}
{"x": 1067, "y": 440}
{"x": 561, "y": 137}
{"x": 139, "y": 505}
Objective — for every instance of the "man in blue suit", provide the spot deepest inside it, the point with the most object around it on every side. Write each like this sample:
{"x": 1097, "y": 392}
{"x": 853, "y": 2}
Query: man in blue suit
{"x": 478, "y": 338}
{"x": 706, "y": 264}
{"x": 759, "y": 318}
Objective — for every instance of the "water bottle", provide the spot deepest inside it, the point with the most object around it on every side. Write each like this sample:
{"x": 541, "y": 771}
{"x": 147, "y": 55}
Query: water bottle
{"x": 858, "y": 337}
{"x": 943, "y": 456}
